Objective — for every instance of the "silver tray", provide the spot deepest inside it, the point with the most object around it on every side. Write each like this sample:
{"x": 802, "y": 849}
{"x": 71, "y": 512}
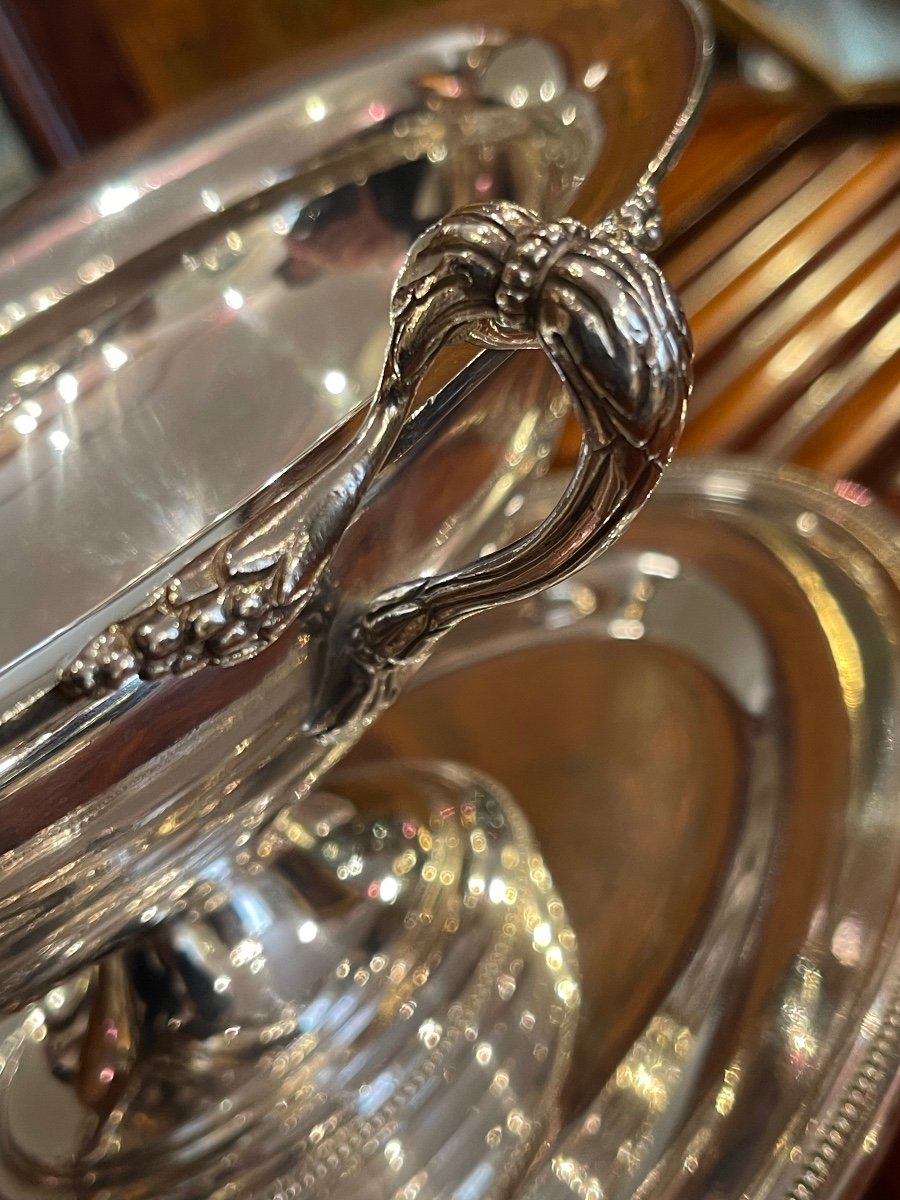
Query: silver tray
{"x": 702, "y": 729}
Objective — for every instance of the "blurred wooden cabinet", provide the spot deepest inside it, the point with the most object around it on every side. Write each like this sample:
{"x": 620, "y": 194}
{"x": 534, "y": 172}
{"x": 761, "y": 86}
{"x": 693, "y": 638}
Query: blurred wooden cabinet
{"x": 76, "y": 72}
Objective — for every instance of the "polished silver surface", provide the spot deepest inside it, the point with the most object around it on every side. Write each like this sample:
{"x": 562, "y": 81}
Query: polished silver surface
{"x": 242, "y": 656}
{"x": 616, "y": 336}
{"x": 613, "y": 331}
{"x": 190, "y": 314}
{"x": 702, "y": 728}
{"x": 194, "y": 269}
{"x": 496, "y": 275}
{"x": 853, "y": 46}
{"x": 112, "y": 801}
{"x": 380, "y": 999}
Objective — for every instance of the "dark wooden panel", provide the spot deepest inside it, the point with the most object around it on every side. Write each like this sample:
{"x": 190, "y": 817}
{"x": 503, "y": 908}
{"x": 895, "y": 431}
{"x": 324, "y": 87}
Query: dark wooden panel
{"x": 64, "y": 78}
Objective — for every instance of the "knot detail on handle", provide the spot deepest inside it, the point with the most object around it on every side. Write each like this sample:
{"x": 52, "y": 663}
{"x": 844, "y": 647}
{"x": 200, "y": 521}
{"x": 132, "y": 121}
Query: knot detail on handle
{"x": 528, "y": 266}
{"x": 603, "y": 313}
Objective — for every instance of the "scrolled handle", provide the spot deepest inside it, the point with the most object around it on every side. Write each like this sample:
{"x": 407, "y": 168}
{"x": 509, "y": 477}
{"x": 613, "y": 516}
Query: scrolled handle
{"x": 496, "y": 275}
{"x": 614, "y": 331}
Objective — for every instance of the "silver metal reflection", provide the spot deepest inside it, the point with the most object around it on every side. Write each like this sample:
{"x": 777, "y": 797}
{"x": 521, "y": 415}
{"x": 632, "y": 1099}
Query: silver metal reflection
{"x": 113, "y": 802}
{"x": 380, "y": 1000}
{"x": 219, "y": 1010}
{"x": 716, "y": 799}
{"x": 603, "y": 313}
{"x": 499, "y": 276}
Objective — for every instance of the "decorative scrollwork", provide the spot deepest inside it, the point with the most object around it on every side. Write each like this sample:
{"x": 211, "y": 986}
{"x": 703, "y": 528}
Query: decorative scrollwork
{"x": 497, "y": 275}
{"x": 219, "y": 613}
{"x": 615, "y": 333}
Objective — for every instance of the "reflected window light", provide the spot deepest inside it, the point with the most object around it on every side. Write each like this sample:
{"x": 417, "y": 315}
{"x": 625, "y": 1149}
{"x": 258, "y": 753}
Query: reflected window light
{"x": 335, "y": 382}
{"x": 251, "y": 911}
{"x": 307, "y": 931}
{"x": 595, "y": 74}
{"x": 211, "y": 200}
{"x": 316, "y": 108}
{"x": 377, "y": 1094}
{"x": 114, "y": 356}
{"x": 67, "y": 387}
{"x": 663, "y": 566}
{"x": 95, "y": 269}
{"x": 31, "y": 373}
{"x": 518, "y": 97}
{"x": 389, "y": 889}
{"x": 24, "y": 423}
{"x": 233, "y": 298}
{"x": 548, "y": 90}
{"x": 59, "y": 440}
{"x": 116, "y": 198}
{"x": 477, "y": 1183}
{"x": 625, "y": 630}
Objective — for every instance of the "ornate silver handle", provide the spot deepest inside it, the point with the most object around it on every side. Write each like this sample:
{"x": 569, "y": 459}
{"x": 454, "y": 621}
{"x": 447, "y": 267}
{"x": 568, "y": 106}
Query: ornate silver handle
{"x": 497, "y": 275}
{"x": 616, "y": 335}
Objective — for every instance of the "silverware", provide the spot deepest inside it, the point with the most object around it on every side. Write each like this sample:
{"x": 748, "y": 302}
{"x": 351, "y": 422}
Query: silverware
{"x": 723, "y": 691}
{"x": 206, "y": 667}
